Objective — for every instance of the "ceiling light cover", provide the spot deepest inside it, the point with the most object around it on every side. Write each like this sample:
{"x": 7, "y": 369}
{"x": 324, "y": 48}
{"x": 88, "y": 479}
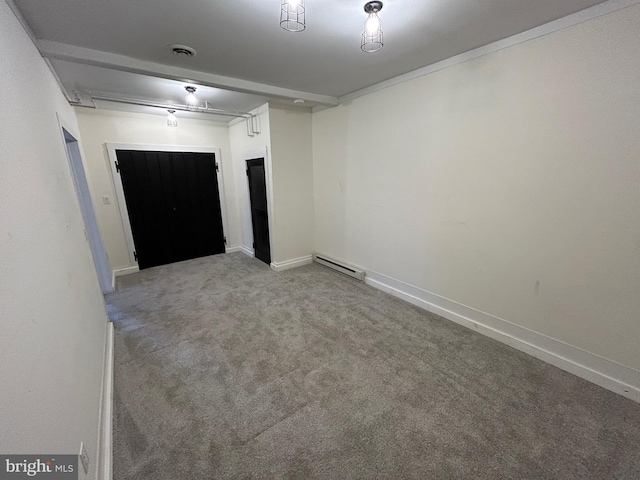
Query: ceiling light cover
{"x": 191, "y": 96}
{"x": 172, "y": 121}
{"x": 292, "y": 15}
{"x": 372, "y": 33}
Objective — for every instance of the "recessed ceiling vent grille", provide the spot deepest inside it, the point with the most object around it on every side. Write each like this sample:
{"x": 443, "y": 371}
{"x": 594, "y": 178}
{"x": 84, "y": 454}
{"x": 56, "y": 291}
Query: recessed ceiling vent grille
{"x": 182, "y": 50}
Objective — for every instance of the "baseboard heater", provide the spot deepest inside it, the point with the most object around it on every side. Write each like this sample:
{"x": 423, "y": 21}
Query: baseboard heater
{"x": 338, "y": 266}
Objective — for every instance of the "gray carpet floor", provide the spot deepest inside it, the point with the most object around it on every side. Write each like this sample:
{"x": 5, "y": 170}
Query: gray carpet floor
{"x": 225, "y": 369}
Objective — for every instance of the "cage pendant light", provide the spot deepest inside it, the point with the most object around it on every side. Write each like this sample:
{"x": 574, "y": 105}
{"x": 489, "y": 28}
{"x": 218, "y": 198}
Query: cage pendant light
{"x": 372, "y": 33}
{"x": 192, "y": 101}
{"x": 292, "y": 15}
{"x": 172, "y": 121}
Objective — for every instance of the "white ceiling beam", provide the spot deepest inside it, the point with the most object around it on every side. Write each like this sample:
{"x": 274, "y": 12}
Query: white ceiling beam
{"x": 87, "y": 56}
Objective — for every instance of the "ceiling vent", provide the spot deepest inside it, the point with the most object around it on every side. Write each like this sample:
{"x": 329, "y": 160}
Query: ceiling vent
{"x": 182, "y": 50}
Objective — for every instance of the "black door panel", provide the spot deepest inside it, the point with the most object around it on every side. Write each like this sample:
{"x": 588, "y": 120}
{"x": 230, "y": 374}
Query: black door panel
{"x": 259, "y": 216}
{"x": 173, "y": 203}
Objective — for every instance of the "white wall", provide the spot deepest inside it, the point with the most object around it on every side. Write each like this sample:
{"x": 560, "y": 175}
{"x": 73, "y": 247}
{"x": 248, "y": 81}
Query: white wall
{"x": 285, "y": 142}
{"x": 98, "y": 127}
{"x": 292, "y": 163}
{"x": 244, "y": 147}
{"x": 52, "y": 317}
{"x": 509, "y": 184}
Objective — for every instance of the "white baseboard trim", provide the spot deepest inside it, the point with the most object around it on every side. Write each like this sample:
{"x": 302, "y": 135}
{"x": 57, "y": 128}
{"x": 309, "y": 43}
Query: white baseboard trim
{"x": 118, "y": 272}
{"x": 293, "y": 263}
{"x": 247, "y": 251}
{"x": 105, "y": 430}
{"x": 235, "y": 249}
{"x": 593, "y": 368}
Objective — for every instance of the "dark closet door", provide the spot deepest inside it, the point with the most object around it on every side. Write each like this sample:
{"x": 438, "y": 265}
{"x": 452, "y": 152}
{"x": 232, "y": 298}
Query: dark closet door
{"x": 173, "y": 203}
{"x": 259, "y": 218}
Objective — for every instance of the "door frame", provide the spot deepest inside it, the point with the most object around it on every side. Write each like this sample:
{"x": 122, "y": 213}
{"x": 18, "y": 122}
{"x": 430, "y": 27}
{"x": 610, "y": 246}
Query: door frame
{"x": 83, "y": 194}
{"x": 253, "y": 225}
{"x": 117, "y": 183}
{"x": 251, "y": 155}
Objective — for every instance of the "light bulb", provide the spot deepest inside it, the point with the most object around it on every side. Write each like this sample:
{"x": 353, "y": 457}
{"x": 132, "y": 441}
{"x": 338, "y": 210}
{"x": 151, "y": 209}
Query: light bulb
{"x": 373, "y": 24}
{"x": 191, "y": 96}
{"x": 172, "y": 121}
{"x": 293, "y": 3}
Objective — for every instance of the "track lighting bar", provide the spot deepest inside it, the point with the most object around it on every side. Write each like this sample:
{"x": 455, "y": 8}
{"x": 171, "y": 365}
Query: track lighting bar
{"x": 253, "y": 125}
{"x": 144, "y": 103}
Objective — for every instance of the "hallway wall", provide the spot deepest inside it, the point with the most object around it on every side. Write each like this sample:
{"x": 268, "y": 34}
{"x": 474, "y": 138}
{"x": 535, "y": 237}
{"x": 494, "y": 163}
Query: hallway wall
{"x": 505, "y": 186}
{"x": 105, "y": 126}
{"x": 52, "y": 313}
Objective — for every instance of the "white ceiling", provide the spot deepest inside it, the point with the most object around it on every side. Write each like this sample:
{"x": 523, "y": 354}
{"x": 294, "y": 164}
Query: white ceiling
{"x": 119, "y": 47}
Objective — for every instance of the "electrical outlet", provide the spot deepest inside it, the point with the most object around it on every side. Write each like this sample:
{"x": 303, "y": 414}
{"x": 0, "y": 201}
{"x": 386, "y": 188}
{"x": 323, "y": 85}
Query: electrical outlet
{"x": 84, "y": 458}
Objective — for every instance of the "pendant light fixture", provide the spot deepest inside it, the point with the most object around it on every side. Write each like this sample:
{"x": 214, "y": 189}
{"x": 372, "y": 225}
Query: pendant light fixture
{"x": 172, "y": 121}
{"x": 292, "y": 15}
{"x": 191, "y": 96}
{"x": 372, "y": 33}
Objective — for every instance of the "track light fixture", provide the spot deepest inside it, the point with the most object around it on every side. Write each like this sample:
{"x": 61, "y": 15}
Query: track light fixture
{"x": 372, "y": 33}
{"x": 172, "y": 121}
{"x": 292, "y": 15}
{"x": 191, "y": 96}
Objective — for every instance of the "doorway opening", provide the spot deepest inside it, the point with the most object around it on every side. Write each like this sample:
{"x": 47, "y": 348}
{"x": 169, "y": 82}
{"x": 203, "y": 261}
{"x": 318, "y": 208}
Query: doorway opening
{"x": 258, "y": 206}
{"x": 173, "y": 204}
{"x": 94, "y": 239}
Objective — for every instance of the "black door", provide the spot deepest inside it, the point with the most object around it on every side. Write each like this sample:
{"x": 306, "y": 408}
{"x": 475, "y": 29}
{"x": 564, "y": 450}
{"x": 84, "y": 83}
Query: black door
{"x": 173, "y": 203}
{"x": 259, "y": 218}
